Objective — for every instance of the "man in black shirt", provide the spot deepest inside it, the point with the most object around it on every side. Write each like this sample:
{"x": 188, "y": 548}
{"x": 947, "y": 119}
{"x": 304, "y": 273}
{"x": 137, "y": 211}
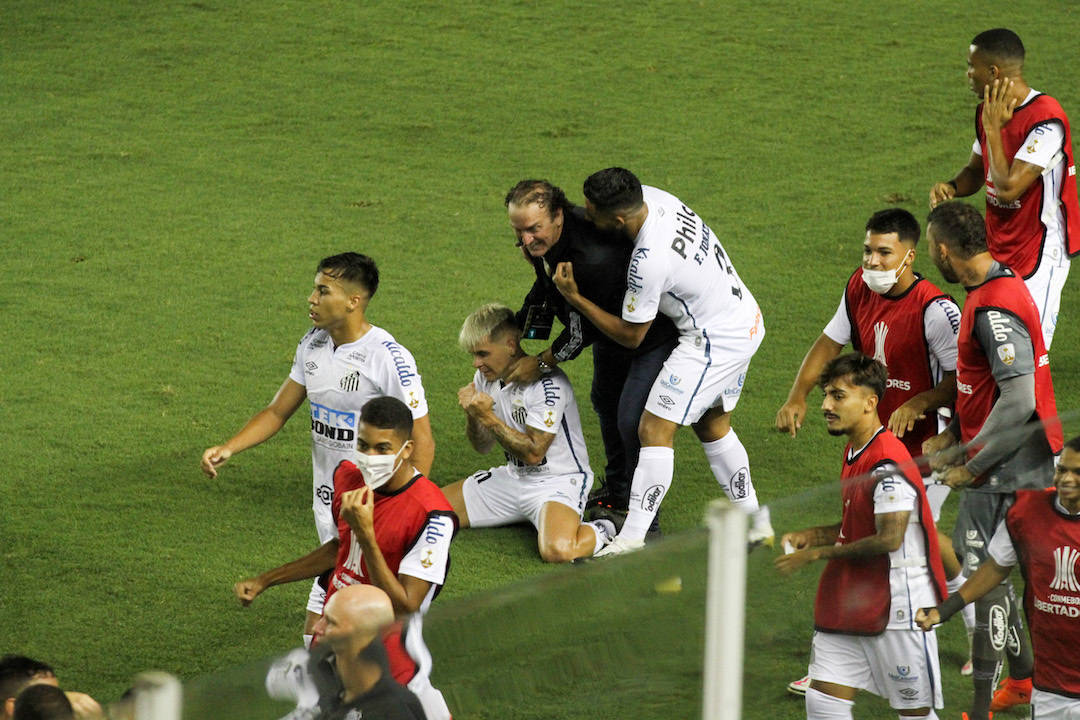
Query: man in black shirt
{"x": 551, "y": 230}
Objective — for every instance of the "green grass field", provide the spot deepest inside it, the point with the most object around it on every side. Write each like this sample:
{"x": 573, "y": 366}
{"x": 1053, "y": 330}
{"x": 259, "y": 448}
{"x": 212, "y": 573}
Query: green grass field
{"x": 172, "y": 172}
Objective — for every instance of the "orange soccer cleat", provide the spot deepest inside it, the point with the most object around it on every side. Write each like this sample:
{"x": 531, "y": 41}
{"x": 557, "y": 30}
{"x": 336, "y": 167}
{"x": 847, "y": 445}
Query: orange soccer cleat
{"x": 1011, "y": 693}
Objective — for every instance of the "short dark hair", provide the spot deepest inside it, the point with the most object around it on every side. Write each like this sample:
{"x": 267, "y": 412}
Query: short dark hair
{"x": 1073, "y": 444}
{"x": 43, "y": 702}
{"x": 1000, "y": 44}
{"x": 895, "y": 220}
{"x": 612, "y": 190}
{"x": 861, "y": 370}
{"x": 388, "y": 413}
{"x": 538, "y": 192}
{"x": 353, "y": 267}
{"x": 16, "y": 672}
{"x": 960, "y": 227}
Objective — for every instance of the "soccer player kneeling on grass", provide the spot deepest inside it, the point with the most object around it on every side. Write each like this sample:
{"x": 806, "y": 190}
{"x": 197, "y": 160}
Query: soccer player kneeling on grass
{"x": 546, "y": 478}
{"x": 883, "y": 560}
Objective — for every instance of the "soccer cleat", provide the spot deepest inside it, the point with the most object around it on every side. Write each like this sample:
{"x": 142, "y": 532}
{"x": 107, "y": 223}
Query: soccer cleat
{"x": 1011, "y": 693}
{"x": 800, "y": 686}
{"x": 615, "y": 517}
{"x": 620, "y": 545}
{"x": 761, "y": 530}
{"x": 967, "y": 668}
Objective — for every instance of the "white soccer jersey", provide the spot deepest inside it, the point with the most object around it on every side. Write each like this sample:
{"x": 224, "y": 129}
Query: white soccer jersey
{"x": 679, "y": 268}
{"x": 338, "y": 382}
{"x": 547, "y": 405}
{"x": 909, "y": 577}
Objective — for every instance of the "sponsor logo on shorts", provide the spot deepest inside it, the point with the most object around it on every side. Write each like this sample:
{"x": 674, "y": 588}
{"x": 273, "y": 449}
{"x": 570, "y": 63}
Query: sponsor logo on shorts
{"x": 900, "y": 615}
{"x": 963, "y": 387}
{"x": 999, "y": 622}
{"x": 671, "y": 382}
{"x": 903, "y": 674}
{"x": 738, "y": 484}
{"x": 325, "y": 493}
{"x": 666, "y": 401}
{"x": 652, "y": 497}
{"x": 908, "y": 693}
{"x": 971, "y": 560}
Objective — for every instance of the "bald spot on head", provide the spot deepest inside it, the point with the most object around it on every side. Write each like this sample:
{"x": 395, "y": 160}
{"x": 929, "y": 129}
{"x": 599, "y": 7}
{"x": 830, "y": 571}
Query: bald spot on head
{"x": 365, "y": 607}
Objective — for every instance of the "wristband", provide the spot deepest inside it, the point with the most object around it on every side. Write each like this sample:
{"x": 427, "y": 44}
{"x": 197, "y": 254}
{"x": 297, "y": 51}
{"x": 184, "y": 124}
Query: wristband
{"x": 952, "y": 605}
{"x": 951, "y": 182}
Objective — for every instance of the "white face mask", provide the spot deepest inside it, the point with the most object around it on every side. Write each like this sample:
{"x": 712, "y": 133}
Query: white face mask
{"x": 882, "y": 281}
{"x": 378, "y": 469}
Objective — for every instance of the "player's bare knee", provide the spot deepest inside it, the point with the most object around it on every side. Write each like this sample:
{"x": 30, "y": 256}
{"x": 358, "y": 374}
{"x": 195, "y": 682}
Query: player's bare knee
{"x": 557, "y": 550}
{"x": 655, "y": 431}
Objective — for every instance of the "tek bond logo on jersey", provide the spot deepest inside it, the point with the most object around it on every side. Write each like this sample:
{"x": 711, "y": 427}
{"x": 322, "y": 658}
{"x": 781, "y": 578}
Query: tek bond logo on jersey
{"x": 332, "y": 428}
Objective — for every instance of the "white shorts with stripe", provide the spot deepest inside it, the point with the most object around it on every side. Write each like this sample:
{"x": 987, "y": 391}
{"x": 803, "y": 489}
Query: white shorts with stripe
{"x": 501, "y": 496}
{"x": 699, "y": 374}
{"x": 898, "y": 665}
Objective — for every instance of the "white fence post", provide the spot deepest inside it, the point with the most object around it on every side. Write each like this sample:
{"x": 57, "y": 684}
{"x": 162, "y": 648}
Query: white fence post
{"x": 725, "y": 611}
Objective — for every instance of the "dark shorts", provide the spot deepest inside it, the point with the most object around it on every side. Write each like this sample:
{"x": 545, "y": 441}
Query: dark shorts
{"x": 978, "y": 517}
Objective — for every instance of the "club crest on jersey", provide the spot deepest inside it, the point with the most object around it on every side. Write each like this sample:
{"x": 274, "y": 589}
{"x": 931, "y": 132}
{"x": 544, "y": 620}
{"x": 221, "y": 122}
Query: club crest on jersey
{"x": 1007, "y": 353}
{"x": 519, "y": 413}
{"x": 880, "y": 331}
{"x": 351, "y": 382}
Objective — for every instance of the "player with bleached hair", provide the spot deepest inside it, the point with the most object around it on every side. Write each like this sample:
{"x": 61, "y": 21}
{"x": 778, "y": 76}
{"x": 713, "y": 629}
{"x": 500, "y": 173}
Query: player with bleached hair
{"x": 883, "y": 562}
{"x": 546, "y": 478}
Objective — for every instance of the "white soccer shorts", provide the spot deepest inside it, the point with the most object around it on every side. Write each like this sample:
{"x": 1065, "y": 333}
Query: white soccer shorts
{"x": 1045, "y": 288}
{"x": 499, "y": 496}
{"x": 898, "y": 665}
{"x": 698, "y": 375}
{"x": 1051, "y": 706}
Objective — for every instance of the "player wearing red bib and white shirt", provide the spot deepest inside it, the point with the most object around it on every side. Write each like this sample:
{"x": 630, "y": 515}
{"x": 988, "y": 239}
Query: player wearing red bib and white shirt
{"x": 340, "y": 364}
{"x": 394, "y": 532}
{"x": 1023, "y": 153}
{"x": 883, "y": 561}
{"x": 1041, "y": 534}
{"x": 678, "y": 268}
{"x": 902, "y": 320}
{"x": 546, "y": 478}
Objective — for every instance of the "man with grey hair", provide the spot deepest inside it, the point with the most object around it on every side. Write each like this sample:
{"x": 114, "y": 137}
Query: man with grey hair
{"x": 546, "y": 478}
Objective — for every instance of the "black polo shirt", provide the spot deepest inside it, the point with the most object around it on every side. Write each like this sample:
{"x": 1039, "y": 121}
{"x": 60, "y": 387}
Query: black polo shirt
{"x": 600, "y": 260}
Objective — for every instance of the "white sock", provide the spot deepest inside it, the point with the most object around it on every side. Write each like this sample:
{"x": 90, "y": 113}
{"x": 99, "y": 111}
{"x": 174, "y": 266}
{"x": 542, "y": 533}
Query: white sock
{"x": 652, "y": 478}
{"x": 307, "y": 641}
{"x": 730, "y": 466}
{"x": 820, "y": 706}
{"x": 604, "y": 531}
